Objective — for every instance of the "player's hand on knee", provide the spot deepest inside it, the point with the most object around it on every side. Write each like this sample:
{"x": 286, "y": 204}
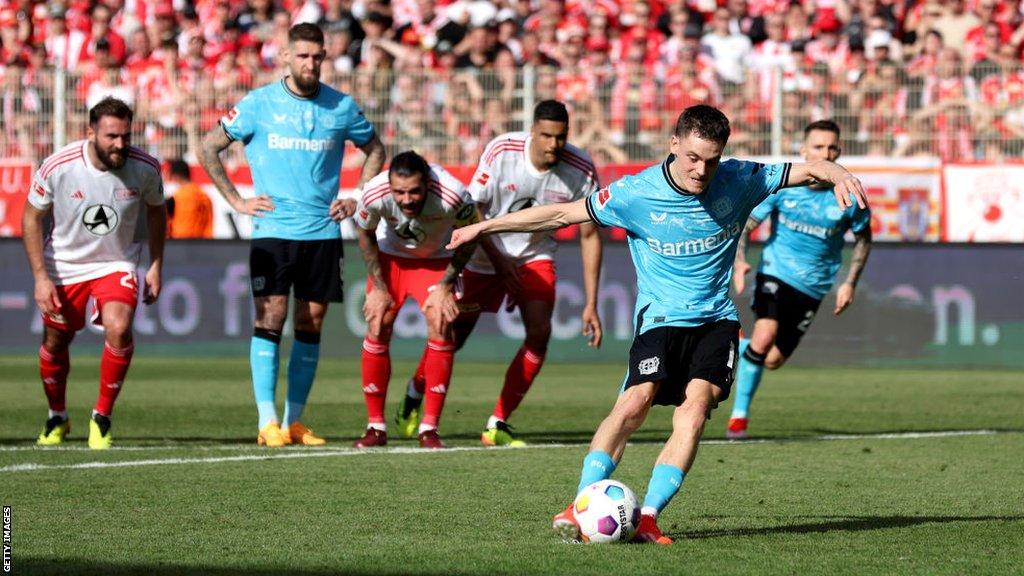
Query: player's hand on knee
{"x": 375, "y": 306}
{"x": 255, "y": 206}
{"x": 740, "y": 268}
{"x": 46, "y": 296}
{"x": 342, "y": 208}
{"x": 440, "y": 308}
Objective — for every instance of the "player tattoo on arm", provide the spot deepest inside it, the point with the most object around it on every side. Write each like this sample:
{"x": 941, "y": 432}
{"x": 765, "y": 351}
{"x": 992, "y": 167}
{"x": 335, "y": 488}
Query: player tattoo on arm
{"x": 215, "y": 141}
{"x": 741, "y": 243}
{"x": 371, "y": 256}
{"x": 375, "y": 157}
{"x": 458, "y": 262}
{"x": 861, "y": 250}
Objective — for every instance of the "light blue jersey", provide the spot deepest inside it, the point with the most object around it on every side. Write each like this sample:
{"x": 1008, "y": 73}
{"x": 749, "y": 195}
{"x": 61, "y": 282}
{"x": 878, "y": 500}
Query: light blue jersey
{"x": 805, "y": 249}
{"x": 294, "y": 146}
{"x": 683, "y": 244}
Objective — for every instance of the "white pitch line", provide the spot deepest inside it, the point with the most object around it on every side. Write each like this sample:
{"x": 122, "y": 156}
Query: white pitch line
{"x": 289, "y": 454}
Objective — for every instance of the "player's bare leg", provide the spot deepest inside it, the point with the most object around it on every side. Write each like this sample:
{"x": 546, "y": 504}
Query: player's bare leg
{"x": 521, "y": 372}
{"x": 118, "y": 348}
{"x": 754, "y": 357}
{"x": 271, "y": 313}
{"x": 54, "y": 366}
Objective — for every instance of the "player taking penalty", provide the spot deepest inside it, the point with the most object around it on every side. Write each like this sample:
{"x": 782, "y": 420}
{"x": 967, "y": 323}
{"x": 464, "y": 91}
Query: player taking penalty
{"x": 683, "y": 217}
{"x": 103, "y": 194}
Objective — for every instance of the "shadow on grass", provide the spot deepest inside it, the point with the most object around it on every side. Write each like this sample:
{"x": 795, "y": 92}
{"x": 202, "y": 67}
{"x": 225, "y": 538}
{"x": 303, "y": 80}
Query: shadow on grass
{"x": 66, "y": 567}
{"x": 841, "y": 524}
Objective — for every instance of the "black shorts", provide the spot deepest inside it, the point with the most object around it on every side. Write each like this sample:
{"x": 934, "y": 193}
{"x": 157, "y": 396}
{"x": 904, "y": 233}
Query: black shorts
{"x": 794, "y": 310}
{"x": 674, "y": 355}
{"x": 313, "y": 267}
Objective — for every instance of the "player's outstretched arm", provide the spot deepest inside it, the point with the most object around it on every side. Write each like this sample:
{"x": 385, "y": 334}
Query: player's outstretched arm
{"x": 536, "y": 219}
{"x": 156, "y": 222}
{"x": 844, "y": 184}
{"x": 861, "y": 250}
{"x": 740, "y": 266}
{"x": 32, "y": 237}
{"x": 592, "y": 253}
{"x": 215, "y": 141}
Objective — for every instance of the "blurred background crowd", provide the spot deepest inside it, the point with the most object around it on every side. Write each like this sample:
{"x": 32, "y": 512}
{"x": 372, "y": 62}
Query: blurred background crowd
{"x": 939, "y": 78}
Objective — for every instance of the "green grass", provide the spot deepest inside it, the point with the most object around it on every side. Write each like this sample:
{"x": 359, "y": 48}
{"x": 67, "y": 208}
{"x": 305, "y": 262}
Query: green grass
{"x": 796, "y": 503}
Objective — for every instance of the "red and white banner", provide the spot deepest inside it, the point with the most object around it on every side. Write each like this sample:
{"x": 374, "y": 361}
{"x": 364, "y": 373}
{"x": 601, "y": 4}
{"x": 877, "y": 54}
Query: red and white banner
{"x": 984, "y": 203}
{"x": 15, "y": 178}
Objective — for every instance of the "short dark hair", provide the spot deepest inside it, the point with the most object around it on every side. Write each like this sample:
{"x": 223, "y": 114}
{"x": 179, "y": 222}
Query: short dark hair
{"x": 705, "y": 121}
{"x": 178, "y": 167}
{"x": 409, "y": 163}
{"x": 823, "y": 125}
{"x": 109, "y": 106}
{"x": 306, "y": 31}
{"x": 550, "y": 110}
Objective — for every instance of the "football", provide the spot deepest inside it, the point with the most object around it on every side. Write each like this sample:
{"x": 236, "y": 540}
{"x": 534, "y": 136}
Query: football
{"x": 607, "y": 512}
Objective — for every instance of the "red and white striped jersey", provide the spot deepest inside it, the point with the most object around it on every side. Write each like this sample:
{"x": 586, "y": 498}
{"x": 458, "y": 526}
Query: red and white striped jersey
{"x": 506, "y": 181}
{"x": 448, "y": 206}
{"x": 99, "y": 223}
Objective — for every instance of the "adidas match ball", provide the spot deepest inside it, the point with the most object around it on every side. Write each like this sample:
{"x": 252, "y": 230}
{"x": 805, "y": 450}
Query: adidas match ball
{"x": 607, "y": 512}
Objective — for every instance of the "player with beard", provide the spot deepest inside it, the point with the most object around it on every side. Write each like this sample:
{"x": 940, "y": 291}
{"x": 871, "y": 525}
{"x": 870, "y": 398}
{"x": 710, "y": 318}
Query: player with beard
{"x": 518, "y": 170}
{"x": 799, "y": 263}
{"x": 102, "y": 194}
{"x": 294, "y": 132}
{"x": 405, "y": 217}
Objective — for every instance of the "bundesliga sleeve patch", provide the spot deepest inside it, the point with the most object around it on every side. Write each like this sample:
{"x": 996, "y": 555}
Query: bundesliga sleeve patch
{"x": 603, "y": 196}
{"x": 229, "y": 118}
{"x": 483, "y": 178}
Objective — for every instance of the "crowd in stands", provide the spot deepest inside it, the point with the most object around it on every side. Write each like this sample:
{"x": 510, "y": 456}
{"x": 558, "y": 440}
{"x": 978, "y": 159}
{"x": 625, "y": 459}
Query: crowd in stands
{"x": 903, "y": 77}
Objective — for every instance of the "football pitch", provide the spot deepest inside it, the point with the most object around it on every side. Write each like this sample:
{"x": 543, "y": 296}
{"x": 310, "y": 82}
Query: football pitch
{"x": 850, "y": 471}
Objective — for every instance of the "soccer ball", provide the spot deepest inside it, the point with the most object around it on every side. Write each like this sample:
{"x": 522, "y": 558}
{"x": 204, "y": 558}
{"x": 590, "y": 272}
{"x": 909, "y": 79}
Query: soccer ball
{"x": 606, "y": 512}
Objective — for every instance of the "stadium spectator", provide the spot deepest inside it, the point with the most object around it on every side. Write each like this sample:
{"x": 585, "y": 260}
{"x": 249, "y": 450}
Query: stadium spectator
{"x": 404, "y": 220}
{"x": 798, "y": 266}
{"x": 955, "y": 23}
{"x": 518, "y": 170}
{"x": 687, "y": 332}
{"x": 729, "y": 48}
{"x": 946, "y": 100}
{"x": 189, "y": 209}
{"x": 296, "y": 238}
{"x": 100, "y": 193}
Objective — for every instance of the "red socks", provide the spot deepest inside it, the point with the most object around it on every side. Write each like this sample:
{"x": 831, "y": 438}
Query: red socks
{"x": 376, "y": 375}
{"x": 518, "y": 379}
{"x": 113, "y": 368}
{"x": 54, "y": 369}
{"x": 437, "y": 368}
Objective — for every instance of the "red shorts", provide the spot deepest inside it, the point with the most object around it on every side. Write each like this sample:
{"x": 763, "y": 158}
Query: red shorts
{"x": 74, "y": 298}
{"x": 406, "y": 277}
{"x": 485, "y": 293}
